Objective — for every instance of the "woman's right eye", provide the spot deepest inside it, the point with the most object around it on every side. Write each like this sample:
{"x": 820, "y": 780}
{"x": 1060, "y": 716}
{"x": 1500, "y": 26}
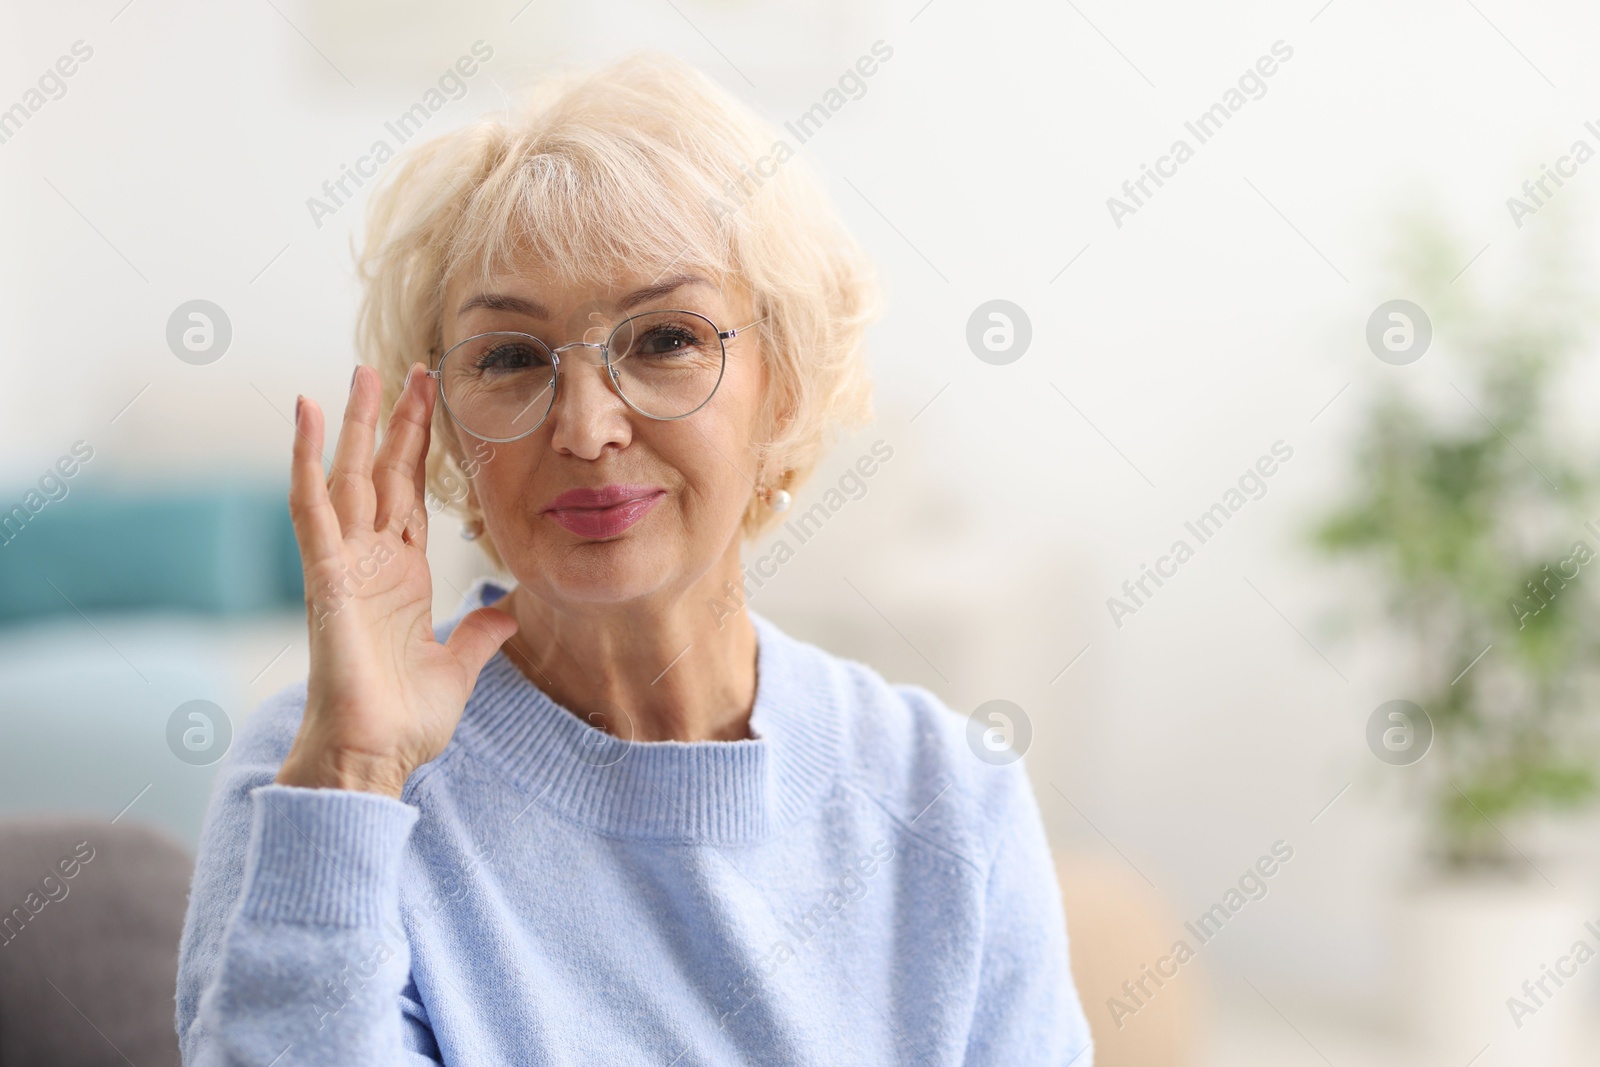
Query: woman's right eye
{"x": 508, "y": 356}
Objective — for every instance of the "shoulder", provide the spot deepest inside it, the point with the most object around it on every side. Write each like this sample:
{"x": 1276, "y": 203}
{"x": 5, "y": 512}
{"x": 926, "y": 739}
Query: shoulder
{"x": 906, "y": 750}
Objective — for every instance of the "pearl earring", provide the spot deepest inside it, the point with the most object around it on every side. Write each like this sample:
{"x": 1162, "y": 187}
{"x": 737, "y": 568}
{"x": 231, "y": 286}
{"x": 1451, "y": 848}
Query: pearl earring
{"x": 471, "y": 529}
{"x": 777, "y": 499}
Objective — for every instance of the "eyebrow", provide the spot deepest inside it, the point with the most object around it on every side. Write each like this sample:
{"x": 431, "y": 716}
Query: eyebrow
{"x": 536, "y": 310}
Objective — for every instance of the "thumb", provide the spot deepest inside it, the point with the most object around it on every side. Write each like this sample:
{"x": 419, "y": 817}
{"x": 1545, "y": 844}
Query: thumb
{"x": 477, "y": 637}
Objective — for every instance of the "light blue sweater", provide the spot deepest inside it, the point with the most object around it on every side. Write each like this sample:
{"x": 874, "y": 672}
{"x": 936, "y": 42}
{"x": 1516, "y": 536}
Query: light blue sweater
{"x": 851, "y": 886}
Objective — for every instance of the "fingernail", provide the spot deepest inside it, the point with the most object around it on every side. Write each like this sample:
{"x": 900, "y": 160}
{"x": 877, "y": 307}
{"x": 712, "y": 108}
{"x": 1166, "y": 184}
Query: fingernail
{"x": 353, "y": 378}
{"x": 409, "y": 371}
{"x": 297, "y": 402}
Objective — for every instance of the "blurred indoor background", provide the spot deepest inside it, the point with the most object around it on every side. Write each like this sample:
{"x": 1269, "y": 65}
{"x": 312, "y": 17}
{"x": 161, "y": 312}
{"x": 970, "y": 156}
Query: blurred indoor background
{"x": 1159, "y": 347}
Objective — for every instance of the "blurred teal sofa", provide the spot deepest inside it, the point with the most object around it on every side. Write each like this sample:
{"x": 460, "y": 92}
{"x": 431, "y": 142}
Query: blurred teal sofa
{"x": 117, "y": 607}
{"x": 222, "y": 552}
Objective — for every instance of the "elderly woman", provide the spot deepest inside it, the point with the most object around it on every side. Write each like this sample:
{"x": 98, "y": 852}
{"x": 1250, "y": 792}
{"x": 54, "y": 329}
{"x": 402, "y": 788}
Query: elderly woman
{"x": 598, "y": 815}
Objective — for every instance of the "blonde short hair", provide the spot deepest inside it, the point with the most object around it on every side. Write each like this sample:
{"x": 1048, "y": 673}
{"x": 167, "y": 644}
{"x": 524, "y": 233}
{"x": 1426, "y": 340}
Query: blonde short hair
{"x": 650, "y": 165}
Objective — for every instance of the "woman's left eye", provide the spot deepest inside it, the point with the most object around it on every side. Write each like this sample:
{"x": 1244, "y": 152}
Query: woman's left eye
{"x": 665, "y": 343}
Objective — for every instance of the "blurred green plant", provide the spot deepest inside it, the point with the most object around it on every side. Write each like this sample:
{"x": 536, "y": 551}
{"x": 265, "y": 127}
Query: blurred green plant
{"x": 1469, "y": 508}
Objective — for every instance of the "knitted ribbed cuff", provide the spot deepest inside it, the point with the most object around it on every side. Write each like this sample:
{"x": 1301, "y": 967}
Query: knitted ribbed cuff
{"x": 324, "y": 857}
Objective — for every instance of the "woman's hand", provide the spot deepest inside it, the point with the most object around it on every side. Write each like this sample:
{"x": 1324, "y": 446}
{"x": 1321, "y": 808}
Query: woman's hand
{"x": 383, "y": 696}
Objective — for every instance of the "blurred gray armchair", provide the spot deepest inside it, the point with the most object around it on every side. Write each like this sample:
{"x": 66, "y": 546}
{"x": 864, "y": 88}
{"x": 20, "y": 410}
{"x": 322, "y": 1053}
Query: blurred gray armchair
{"x": 89, "y": 942}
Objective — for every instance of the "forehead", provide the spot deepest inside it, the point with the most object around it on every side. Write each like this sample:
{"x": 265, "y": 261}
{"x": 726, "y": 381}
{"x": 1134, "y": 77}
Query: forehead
{"x": 543, "y": 292}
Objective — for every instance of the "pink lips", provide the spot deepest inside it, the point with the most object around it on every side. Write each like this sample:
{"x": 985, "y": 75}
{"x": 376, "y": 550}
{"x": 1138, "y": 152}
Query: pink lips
{"x": 605, "y": 511}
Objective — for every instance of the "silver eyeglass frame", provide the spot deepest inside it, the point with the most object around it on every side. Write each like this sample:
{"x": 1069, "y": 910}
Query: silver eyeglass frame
{"x": 723, "y": 337}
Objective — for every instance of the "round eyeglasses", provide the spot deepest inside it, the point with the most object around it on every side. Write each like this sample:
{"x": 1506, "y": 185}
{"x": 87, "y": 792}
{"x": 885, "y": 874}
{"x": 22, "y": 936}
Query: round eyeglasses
{"x": 500, "y": 386}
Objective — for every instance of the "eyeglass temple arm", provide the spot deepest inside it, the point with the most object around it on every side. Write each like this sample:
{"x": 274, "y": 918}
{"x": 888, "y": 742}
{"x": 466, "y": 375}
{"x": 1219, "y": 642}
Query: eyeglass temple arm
{"x": 725, "y": 334}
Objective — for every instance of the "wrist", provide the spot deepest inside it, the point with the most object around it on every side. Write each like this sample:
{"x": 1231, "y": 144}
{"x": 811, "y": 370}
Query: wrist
{"x": 332, "y": 769}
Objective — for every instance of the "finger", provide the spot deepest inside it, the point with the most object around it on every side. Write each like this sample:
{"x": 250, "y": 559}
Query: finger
{"x": 353, "y": 498}
{"x": 403, "y": 451}
{"x": 419, "y": 485}
{"x": 478, "y": 636}
{"x": 316, "y": 525}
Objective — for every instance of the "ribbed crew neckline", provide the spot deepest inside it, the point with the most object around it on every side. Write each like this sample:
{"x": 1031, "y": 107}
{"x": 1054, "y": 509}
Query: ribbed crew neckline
{"x": 700, "y": 792}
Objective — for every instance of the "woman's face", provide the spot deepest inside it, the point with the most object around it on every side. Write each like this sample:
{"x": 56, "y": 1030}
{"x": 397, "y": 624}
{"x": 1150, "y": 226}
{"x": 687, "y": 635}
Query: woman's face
{"x": 685, "y": 483}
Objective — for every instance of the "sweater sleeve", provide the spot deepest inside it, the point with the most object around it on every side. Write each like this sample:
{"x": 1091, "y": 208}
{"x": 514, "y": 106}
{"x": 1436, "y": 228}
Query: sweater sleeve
{"x": 293, "y": 949}
{"x": 1028, "y": 1009}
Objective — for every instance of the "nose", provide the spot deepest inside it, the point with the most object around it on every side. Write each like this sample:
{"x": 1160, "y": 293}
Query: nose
{"x": 588, "y": 413}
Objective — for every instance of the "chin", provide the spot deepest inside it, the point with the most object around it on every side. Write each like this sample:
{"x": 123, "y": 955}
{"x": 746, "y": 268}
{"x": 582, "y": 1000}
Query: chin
{"x": 599, "y": 572}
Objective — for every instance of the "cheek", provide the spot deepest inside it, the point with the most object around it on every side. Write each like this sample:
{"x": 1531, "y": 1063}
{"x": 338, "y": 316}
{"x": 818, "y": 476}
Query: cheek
{"x": 714, "y": 469}
{"x": 504, "y": 481}
{"x": 733, "y": 431}
{"x": 704, "y": 461}
{"x": 740, "y": 395}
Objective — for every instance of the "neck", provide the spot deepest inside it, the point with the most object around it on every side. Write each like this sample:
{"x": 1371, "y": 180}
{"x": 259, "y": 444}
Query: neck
{"x": 662, "y": 669}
